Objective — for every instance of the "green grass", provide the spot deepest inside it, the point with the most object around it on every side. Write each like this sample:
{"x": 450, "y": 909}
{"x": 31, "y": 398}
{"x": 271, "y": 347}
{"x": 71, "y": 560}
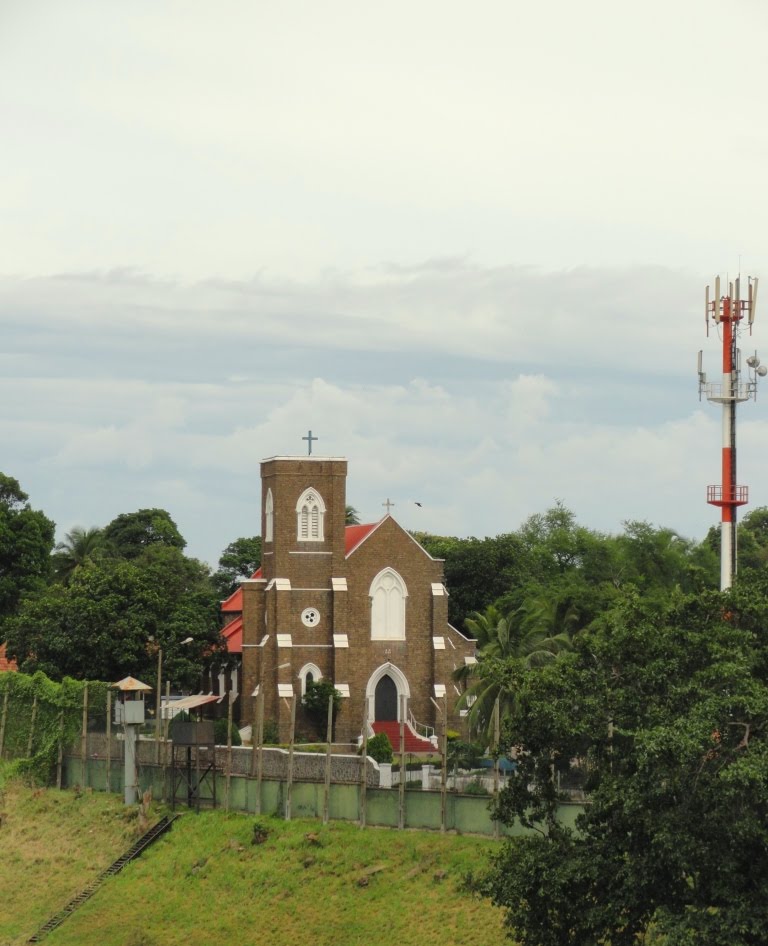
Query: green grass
{"x": 205, "y": 882}
{"x": 51, "y": 845}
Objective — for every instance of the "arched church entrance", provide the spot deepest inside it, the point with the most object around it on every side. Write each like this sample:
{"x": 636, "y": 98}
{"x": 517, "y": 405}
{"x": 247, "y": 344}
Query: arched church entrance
{"x": 385, "y": 699}
{"x": 383, "y": 691}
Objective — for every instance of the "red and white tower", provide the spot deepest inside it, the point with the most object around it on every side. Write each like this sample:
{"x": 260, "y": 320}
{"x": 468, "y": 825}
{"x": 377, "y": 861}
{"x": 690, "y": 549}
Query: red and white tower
{"x": 728, "y": 312}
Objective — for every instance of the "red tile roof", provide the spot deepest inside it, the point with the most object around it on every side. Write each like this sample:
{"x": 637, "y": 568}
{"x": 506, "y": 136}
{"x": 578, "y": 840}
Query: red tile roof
{"x": 5, "y": 663}
{"x": 354, "y": 535}
{"x": 233, "y": 635}
{"x": 235, "y": 601}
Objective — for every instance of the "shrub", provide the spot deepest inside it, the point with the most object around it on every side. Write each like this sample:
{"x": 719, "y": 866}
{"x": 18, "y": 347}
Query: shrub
{"x": 220, "y": 733}
{"x": 260, "y": 832}
{"x": 315, "y": 702}
{"x": 463, "y": 755}
{"x": 379, "y": 748}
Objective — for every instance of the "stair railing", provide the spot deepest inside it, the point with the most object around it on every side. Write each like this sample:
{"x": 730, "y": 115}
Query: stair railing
{"x": 426, "y": 732}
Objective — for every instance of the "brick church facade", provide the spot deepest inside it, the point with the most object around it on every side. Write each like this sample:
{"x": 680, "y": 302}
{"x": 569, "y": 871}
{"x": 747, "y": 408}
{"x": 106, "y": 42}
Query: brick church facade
{"x": 363, "y": 606}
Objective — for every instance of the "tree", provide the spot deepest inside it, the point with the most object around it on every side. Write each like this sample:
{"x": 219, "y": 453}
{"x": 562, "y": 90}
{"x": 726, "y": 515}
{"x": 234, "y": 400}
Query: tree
{"x": 379, "y": 748}
{"x": 79, "y": 546}
{"x": 352, "y": 516}
{"x": 477, "y": 571}
{"x": 668, "y": 712}
{"x": 112, "y": 617}
{"x": 547, "y": 624}
{"x": 505, "y": 642}
{"x": 552, "y": 540}
{"x": 315, "y": 702}
{"x": 658, "y": 560}
{"x": 26, "y": 541}
{"x": 239, "y": 560}
{"x": 752, "y": 539}
{"x": 133, "y": 532}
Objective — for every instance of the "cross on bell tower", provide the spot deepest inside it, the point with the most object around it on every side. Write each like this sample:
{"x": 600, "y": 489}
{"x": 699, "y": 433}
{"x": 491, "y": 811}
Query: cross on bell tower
{"x": 309, "y": 438}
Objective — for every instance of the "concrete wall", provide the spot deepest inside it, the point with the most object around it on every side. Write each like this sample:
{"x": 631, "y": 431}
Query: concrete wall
{"x": 465, "y": 814}
{"x": 307, "y": 766}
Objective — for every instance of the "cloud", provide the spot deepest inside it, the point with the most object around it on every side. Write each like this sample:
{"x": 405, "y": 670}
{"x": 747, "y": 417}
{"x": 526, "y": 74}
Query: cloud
{"x": 485, "y": 393}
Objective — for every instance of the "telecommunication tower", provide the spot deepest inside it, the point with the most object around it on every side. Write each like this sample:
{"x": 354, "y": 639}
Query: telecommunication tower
{"x": 727, "y": 312}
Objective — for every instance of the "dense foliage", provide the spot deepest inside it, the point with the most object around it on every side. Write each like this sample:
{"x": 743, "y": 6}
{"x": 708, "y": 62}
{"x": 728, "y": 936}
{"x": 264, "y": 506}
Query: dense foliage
{"x": 131, "y": 533}
{"x": 40, "y": 716}
{"x": 666, "y": 709}
{"x": 26, "y": 541}
{"x": 112, "y": 616}
{"x": 530, "y": 636}
{"x": 552, "y": 559}
{"x": 79, "y": 547}
{"x": 239, "y": 560}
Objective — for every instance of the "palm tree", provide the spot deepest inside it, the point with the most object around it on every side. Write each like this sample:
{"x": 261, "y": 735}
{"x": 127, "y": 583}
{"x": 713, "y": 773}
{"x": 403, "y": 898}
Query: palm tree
{"x": 525, "y": 637}
{"x": 352, "y": 517}
{"x": 550, "y": 621}
{"x": 79, "y": 546}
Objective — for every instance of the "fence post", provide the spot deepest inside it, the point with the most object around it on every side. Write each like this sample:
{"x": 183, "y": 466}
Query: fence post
{"x": 32, "y": 722}
{"x": 364, "y": 767}
{"x": 158, "y": 703}
{"x": 228, "y": 777}
{"x": 289, "y": 786}
{"x": 60, "y": 751}
{"x": 2, "y": 722}
{"x": 496, "y": 739}
{"x": 329, "y": 737}
{"x": 258, "y": 757}
{"x": 165, "y": 736}
{"x": 197, "y": 775}
{"x": 108, "y": 774}
{"x": 403, "y": 773}
{"x": 84, "y": 740}
{"x": 444, "y": 762}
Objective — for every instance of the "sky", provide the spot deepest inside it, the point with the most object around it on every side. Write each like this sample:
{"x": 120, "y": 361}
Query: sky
{"x": 465, "y": 244}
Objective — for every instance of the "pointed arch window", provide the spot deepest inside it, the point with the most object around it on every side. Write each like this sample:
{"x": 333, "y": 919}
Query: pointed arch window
{"x": 309, "y": 673}
{"x": 310, "y": 513}
{"x": 388, "y": 594}
{"x": 269, "y": 517}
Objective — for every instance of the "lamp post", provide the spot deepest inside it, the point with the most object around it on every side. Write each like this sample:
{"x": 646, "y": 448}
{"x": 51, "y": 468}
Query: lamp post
{"x": 158, "y": 704}
{"x": 158, "y": 696}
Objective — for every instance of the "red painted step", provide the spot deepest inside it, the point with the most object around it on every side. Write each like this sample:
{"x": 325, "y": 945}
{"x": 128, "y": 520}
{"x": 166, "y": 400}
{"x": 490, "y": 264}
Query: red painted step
{"x": 413, "y": 742}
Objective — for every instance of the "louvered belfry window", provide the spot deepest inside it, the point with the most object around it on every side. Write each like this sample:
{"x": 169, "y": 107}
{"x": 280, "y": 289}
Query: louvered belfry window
{"x": 311, "y": 512}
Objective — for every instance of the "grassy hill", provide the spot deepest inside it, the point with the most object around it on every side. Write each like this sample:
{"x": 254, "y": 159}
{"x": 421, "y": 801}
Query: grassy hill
{"x": 205, "y": 881}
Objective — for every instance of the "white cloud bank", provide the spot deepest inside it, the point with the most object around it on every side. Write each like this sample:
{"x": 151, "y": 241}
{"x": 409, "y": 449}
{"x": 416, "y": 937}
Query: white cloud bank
{"x": 485, "y": 394}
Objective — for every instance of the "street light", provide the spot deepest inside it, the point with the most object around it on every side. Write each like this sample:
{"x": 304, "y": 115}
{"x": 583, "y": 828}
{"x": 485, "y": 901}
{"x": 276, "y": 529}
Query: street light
{"x": 187, "y": 640}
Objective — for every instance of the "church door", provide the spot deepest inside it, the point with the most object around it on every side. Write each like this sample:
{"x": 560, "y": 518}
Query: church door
{"x": 385, "y": 707}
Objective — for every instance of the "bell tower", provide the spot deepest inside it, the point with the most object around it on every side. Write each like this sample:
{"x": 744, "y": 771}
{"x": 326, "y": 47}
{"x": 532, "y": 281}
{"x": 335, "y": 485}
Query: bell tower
{"x": 303, "y": 509}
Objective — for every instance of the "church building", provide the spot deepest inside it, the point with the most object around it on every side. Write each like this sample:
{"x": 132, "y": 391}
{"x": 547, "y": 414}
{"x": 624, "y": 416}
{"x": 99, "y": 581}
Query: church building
{"x": 363, "y": 606}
